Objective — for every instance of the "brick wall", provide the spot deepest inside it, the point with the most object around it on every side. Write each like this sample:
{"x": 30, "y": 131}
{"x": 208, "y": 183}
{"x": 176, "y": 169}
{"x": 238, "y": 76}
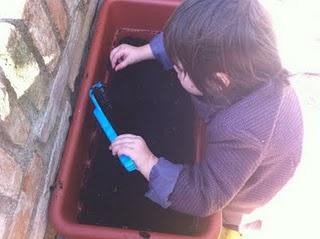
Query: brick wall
{"x": 42, "y": 45}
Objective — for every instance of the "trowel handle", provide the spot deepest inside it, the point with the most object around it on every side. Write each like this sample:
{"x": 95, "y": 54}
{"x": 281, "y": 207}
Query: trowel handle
{"x": 126, "y": 161}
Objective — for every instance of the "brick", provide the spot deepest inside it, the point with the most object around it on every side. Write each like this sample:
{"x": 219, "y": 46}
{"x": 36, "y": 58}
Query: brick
{"x": 58, "y": 145}
{"x": 59, "y": 16}
{"x": 21, "y": 218}
{"x": 3, "y": 225}
{"x": 67, "y": 72}
{"x": 7, "y": 206}
{"x": 45, "y": 125}
{"x": 80, "y": 30}
{"x": 10, "y": 175}
{"x": 17, "y": 126}
{"x": 42, "y": 32}
{"x": 38, "y": 227}
{"x": 74, "y": 56}
{"x": 4, "y": 100}
{"x": 40, "y": 219}
{"x": 30, "y": 187}
{"x": 51, "y": 233}
{"x": 16, "y": 59}
{"x": 38, "y": 93}
{"x": 72, "y": 5}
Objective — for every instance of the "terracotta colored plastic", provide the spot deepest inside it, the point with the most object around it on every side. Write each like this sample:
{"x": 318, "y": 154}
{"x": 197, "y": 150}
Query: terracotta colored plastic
{"x": 117, "y": 18}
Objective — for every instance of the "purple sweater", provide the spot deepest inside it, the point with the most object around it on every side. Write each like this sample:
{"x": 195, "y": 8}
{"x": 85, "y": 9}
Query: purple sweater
{"x": 253, "y": 148}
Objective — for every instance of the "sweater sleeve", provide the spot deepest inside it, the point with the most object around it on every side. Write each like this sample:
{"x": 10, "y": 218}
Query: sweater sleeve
{"x": 163, "y": 178}
{"x": 201, "y": 189}
{"x": 159, "y": 51}
{"x": 230, "y": 160}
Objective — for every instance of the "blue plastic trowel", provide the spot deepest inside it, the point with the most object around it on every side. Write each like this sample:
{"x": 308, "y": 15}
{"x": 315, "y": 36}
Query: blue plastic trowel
{"x": 98, "y": 98}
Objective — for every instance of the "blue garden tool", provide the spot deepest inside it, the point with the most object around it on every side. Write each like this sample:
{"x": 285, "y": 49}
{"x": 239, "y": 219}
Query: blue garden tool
{"x": 98, "y": 98}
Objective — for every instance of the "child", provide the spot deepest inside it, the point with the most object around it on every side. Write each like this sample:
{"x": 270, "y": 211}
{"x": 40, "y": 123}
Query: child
{"x": 225, "y": 56}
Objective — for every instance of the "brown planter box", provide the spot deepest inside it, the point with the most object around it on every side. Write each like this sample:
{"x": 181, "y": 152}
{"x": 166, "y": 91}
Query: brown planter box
{"x": 117, "y": 18}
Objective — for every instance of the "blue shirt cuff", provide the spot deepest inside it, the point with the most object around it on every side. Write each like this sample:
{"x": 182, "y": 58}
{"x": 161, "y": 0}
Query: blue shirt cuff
{"x": 159, "y": 51}
{"x": 163, "y": 178}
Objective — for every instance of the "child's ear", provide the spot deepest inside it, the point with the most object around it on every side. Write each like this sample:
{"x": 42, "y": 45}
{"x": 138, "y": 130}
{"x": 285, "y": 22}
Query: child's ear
{"x": 218, "y": 81}
{"x": 223, "y": 77}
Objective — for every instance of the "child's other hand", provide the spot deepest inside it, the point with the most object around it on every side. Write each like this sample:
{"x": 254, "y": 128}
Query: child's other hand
{"x": 124, "y": 55}
{"x": 136, "y": 148}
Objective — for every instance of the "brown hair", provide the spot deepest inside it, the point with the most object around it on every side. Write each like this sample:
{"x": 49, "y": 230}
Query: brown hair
{"x": 234, "y": 37}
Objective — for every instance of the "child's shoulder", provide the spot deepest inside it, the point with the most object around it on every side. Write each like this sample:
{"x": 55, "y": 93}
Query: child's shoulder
{"x": 257, "y": 113}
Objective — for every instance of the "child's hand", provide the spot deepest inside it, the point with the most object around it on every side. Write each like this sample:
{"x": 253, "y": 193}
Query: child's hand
{"x": 136, "y": 148}
{"x": 124, "y": 55}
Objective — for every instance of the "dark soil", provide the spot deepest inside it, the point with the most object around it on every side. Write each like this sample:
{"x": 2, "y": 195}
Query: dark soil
{"x": 149, "y": 102}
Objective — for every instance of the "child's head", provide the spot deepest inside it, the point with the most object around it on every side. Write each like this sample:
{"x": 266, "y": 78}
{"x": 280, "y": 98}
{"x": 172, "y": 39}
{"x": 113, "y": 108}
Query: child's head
{"x": 231, "y": 38}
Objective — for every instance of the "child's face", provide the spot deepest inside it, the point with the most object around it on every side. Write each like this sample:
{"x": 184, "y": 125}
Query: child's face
{"x": 186, "y": 81}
